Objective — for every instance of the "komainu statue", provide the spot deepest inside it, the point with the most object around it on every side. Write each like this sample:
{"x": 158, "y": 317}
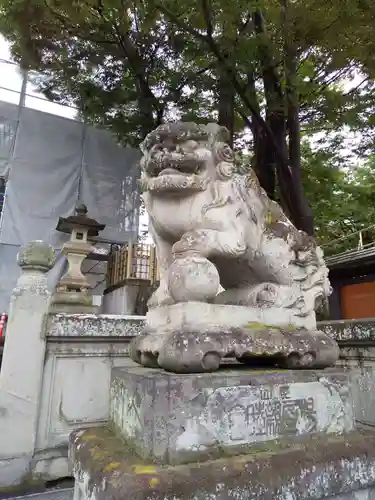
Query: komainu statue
{"x": 237, "y": 279}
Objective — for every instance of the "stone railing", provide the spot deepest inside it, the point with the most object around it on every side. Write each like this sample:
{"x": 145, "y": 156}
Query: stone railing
{"x": 101, "y": 327}
{"x": 55, "y": 374}
{"x": 353, "y": 330}
{"x": 356, "y": 339}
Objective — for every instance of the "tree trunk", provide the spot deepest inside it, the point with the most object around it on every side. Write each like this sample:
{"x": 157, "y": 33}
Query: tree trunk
{"x": 147, "y": 111}
{"x": 226, "y": 95}
{"x": 275, "y": 113}
{"x": 304, "y": 216}
{"x": 149, "y": 105}
{"x": 278, "y": 115}
{"x": 263, "y": 165}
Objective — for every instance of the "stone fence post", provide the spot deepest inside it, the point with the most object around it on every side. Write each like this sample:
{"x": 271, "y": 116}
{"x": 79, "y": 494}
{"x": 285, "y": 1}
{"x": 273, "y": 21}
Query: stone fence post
{"x": 22, "y": 365}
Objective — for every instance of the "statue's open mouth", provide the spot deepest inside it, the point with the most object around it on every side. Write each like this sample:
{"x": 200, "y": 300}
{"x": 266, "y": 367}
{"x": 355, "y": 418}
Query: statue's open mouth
{"x": 174, "y": 164}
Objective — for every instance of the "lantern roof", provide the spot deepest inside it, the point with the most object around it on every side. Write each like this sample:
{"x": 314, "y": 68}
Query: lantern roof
{"x": 79, "y": 221}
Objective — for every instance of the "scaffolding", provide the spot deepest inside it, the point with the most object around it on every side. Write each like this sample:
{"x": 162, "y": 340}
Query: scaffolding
{"x": 48, "y": 164}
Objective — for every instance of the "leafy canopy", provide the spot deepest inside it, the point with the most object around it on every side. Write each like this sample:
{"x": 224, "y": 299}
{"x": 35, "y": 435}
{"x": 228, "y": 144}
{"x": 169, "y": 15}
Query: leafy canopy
{"x": 129, "y": 65}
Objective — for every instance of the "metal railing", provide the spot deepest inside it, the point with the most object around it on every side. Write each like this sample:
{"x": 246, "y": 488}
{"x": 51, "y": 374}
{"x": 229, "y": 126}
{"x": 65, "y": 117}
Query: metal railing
{"x": 358, "y": 247}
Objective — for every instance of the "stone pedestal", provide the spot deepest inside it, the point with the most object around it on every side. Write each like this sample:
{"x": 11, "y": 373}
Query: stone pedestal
{"x": 269, "y": 435}
{"x": 194, "y": 337}
{"x": 182, "y": 418}
{"x": 320, "y": 467}
{"x": 205, "y": 316}
{"x": 71, "y": 295}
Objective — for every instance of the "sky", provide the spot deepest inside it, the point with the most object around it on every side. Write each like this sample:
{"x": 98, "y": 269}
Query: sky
{"x": 11, "y": 79}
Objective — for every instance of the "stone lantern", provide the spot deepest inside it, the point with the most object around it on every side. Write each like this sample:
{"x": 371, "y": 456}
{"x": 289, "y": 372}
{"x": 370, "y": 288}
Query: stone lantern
{"x": 72, "y": 290}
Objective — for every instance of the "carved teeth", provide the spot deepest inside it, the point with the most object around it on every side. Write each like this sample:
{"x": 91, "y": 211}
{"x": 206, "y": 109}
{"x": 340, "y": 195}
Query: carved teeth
{"x": 163, "y": 163}
{"x": 170, "y": 171}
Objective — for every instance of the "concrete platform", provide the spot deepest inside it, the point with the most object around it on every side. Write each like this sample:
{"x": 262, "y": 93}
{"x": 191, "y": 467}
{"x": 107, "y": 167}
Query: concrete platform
{"x": 331, "y": 467}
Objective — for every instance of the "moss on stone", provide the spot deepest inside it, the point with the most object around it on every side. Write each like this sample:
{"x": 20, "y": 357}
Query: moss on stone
{"x": 265, "y": 326}
{"x": 259, "y": 326}
{"x": 26, "y": 484}
{"x": 291, "y": 328}
{"x": 268, "y": 467}
{"x": 105, "y": 448}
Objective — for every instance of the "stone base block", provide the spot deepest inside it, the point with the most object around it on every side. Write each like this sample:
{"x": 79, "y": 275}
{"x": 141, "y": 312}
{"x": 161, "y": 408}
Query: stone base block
{"x": 211, "y": 317}
{"x": 173, "y": 418}
{"x": 13, "y": 471}
{"x": 320, "y": 467}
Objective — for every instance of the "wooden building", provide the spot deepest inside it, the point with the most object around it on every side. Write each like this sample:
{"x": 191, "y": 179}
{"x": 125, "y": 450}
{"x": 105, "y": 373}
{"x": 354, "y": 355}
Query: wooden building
{"x": 352, "y": 276}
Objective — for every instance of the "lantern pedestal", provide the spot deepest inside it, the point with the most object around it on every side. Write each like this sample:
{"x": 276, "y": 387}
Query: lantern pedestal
{"x": 65, "y": 301}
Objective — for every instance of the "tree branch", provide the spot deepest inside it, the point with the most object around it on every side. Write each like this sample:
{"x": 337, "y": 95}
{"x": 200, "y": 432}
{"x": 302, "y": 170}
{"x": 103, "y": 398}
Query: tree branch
{"x": 237, "y": 85}
{"x": 207, "y": 15}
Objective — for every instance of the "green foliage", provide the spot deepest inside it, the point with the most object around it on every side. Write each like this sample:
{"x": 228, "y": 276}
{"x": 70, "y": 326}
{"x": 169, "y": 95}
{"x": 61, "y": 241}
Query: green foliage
{"x": 113, "y": 58}
{"x": 343, "y": 200}
{"x": 129, "y": 65}
{"x": 119, "y": 65}
{"x": 325, "y": 187}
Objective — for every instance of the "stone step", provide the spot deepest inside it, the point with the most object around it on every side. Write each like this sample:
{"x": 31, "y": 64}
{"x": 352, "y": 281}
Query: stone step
{"x": 171, "y": 418}
{"x": 330, "y": 467}
{"x": 59, "y": 494}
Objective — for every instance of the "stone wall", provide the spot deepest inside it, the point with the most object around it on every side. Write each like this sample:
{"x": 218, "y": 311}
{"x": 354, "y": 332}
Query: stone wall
{"x": 81, "y": 352}
{"x": 55, "y": 378}
{"x": 120, "y": 300}
{"x": 356, "y": 339}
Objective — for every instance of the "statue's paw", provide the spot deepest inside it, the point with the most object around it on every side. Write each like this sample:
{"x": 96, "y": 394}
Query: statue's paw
{"x": 274, "y": 295}
{"x": 181, "y": 247}
{"x": 159, "y": 300}
{"x": 192, "y": 243}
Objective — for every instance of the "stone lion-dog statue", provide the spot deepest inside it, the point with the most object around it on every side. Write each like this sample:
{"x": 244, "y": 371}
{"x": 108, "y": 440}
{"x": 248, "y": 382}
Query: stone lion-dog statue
{"x": 216, "y": 229}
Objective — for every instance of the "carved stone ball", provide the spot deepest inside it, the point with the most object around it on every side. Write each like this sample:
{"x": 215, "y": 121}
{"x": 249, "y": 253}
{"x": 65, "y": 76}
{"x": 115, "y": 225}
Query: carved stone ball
{"x": 193, "y": 278}
{"x": 37, "y": 256}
